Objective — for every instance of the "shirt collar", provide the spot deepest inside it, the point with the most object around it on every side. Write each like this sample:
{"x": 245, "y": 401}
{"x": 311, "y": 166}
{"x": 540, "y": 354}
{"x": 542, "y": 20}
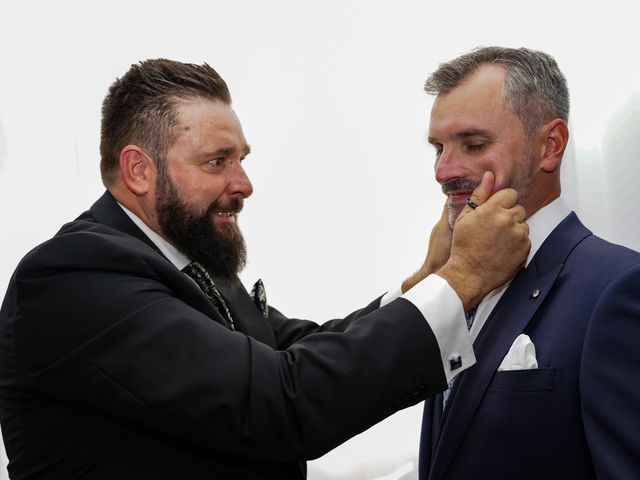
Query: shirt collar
{"x": 169, "y": 251}
{"x": 543, "y": 222}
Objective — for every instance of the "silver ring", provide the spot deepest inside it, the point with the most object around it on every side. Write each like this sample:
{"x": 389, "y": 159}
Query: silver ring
{"x": 472, "y": 204}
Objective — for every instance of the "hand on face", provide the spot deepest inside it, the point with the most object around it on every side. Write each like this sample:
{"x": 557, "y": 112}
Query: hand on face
{"x": 489, "y": 245}
{"x": 438, "y": 253}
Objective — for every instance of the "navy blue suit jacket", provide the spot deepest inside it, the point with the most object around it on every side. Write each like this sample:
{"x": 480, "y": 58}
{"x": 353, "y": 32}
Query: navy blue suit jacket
{"x": 578, "y": 415}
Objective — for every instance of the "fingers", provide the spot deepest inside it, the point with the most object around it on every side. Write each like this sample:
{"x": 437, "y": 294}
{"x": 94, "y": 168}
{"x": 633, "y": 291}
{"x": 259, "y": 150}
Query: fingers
{"x": 519, "y": 213}
{"x": 483, "y": 191}
{"x": 444, "y": 216}
{"x": 438, "y": 251}
{"x": 505, "y": 198}
{"x": 505, "y": 201}
{"x": 480, "y": 194}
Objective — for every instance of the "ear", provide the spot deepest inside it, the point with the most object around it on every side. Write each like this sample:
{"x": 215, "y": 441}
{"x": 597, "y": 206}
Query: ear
{"x": 555, "y": 139}
{"x": 137, "y": 169}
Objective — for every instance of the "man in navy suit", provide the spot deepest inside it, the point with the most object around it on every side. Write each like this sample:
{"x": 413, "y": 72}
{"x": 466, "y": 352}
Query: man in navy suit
{"x": 130, "y": 350}
{"x": 555, "y": 392}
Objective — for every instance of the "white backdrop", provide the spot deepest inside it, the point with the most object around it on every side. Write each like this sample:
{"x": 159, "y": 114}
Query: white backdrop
{"x": 330, "y": 96}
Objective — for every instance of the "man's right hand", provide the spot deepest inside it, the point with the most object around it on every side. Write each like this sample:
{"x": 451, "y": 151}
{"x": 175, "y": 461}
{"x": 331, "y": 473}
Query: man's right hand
{"x": 490, "y": 243}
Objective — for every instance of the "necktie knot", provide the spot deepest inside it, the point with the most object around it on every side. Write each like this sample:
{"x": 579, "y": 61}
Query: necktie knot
{"x": 469, "y": 316}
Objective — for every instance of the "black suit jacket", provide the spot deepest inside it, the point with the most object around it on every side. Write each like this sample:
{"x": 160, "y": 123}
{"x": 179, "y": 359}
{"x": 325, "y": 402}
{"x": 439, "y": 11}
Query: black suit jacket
{"x": 114, "y": 365}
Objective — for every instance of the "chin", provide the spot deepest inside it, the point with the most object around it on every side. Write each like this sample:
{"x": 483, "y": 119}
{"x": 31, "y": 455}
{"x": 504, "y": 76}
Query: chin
{"x": 453, "y": 212}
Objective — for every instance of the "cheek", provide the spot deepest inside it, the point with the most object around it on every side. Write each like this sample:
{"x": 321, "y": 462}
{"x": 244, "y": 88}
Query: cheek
{"x": 206, "y": 195}
{"x": 201, "y": 189}
{"x": 502, "y": 169}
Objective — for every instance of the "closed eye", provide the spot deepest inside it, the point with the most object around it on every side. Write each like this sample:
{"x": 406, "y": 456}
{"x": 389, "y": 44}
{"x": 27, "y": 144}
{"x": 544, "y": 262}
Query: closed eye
{"x": 216, "y": 162}
{"x": 475, "y": 147}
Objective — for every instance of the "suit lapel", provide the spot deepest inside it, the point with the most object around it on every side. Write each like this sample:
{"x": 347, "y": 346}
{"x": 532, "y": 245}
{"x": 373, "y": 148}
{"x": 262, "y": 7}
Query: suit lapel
{"x": 429, "y": 434}
{"x": 245, "y": 313}
{"x": 508, "y": 319}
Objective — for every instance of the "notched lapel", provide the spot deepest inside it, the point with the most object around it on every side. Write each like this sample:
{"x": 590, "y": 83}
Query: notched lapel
{"x": 508, "y": 319}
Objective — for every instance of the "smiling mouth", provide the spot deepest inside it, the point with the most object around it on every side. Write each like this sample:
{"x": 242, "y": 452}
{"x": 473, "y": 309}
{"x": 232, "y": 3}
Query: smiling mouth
{"x": 227, "y": 216}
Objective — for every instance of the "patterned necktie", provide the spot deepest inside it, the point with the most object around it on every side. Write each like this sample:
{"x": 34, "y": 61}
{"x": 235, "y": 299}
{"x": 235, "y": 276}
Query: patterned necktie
{"x": 208, "y": 286}
{"x": 469, "y": 317}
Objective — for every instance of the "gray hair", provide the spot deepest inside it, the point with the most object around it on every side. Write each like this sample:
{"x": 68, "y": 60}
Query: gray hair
{"x": 535, "y": 88}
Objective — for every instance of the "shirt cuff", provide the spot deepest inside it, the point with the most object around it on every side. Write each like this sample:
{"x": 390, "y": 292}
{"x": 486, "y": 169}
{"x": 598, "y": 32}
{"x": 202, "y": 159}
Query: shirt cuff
{"x": 390, "y": 296}
{"x": 443, "y": 311}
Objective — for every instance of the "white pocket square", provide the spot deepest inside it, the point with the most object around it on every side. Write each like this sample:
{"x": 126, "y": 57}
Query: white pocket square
{"x": 521, "y": 355}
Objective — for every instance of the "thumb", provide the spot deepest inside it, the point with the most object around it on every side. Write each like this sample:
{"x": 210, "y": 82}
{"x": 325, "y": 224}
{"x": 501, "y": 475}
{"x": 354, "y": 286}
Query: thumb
{"x": 481, "y": 193}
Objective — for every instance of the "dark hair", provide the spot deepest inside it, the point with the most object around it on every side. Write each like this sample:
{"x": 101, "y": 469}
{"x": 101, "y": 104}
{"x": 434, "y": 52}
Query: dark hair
{"x": 140, "y": 108}
{"x": 535, "y": 88}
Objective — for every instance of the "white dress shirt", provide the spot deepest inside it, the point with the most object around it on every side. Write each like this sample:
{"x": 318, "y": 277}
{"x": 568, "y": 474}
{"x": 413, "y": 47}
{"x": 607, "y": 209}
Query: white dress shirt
{"x": 172, "y": 253}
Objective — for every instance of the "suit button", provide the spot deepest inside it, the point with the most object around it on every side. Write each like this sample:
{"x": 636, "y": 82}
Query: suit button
{"x": 535, "y": 293}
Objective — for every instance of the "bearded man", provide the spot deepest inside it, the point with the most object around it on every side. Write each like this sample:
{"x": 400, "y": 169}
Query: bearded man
{"x": 131, "y": 350}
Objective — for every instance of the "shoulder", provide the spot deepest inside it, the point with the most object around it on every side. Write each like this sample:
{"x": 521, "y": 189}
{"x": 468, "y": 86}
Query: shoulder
{"x": 604, "y": 256}
{"x": 85, "y": 243}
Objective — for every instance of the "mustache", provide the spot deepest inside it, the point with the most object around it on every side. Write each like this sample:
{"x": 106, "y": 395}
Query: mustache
{"x": 458, "y": 184}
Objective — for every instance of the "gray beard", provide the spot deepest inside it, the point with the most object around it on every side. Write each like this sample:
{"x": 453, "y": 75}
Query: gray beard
{"x": 520, "y": 184}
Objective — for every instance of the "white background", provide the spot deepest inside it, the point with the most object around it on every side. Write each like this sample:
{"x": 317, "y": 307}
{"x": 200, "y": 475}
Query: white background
{"x": 330, "y": 96}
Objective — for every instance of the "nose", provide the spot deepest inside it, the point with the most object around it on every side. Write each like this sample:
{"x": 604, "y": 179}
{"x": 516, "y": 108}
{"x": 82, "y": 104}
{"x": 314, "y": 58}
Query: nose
{"x": 447, "y": 166}
{"x": 239, "y": 183}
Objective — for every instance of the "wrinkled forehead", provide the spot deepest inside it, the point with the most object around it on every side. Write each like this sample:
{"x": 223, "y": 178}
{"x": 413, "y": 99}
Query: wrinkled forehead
{"x": 209, "y": 125}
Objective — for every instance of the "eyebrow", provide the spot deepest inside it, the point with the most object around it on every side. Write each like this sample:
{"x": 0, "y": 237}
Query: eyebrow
{"x": 228, "y": 151}
{"x": 471, "y": 132}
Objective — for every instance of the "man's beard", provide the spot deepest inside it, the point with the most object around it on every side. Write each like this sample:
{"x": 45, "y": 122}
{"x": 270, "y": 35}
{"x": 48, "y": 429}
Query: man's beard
{"x": 222, "y": 252}
{"x": 519, "y": 181}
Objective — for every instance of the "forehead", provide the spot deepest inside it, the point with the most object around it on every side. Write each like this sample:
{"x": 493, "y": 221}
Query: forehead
{"x": 476, "y": 103}
{"x": 208, "y": 125}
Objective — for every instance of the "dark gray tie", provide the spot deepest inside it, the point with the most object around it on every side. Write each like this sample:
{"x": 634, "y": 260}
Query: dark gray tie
{"x": 469, "y": 317}
{"x": 208, "y": 286}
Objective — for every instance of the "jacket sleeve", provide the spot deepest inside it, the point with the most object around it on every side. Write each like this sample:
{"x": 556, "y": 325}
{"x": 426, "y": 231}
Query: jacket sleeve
{"x": 609, "y": 384}
{"x": 101, "y": 330}
{"x": 289, "y": 331}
